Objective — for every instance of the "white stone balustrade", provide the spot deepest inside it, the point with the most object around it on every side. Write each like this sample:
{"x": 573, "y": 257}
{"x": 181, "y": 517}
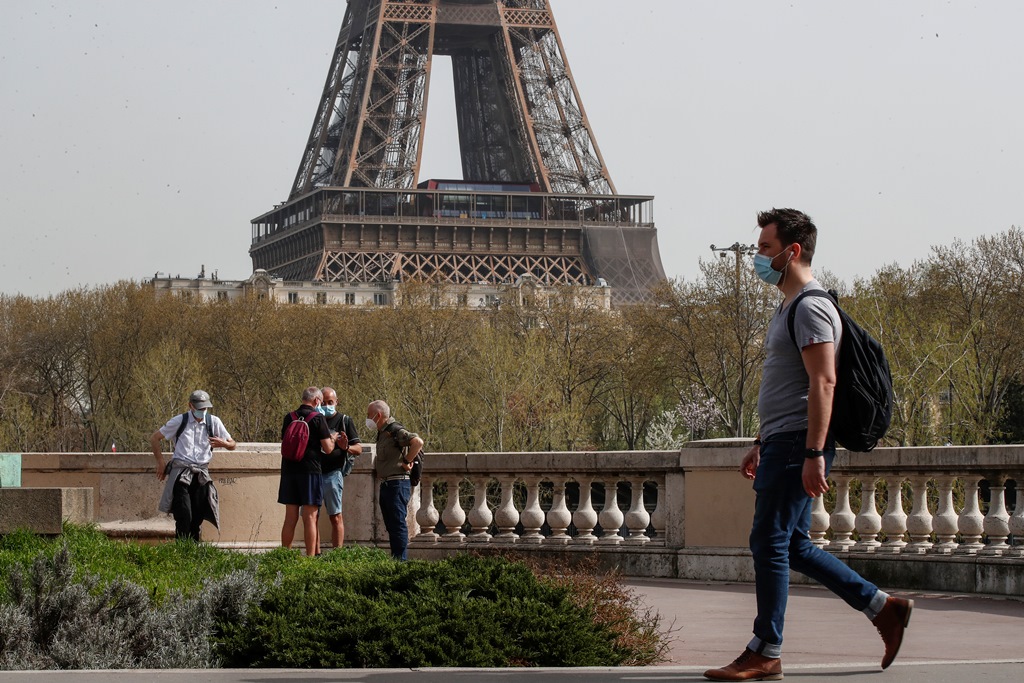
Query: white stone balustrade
{"x": 683, "y": 514}
{"x": 934, "y": 526}
{"x": 930, "y": 509}
{"x": 550, "y": 509}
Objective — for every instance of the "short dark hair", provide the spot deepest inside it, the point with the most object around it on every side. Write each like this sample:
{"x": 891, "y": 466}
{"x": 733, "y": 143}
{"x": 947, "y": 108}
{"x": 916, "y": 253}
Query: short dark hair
{"x": 793, "y": 227}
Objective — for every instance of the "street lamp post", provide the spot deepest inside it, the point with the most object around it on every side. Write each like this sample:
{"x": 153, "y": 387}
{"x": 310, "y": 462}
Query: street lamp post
{"x": 740, "y": 250}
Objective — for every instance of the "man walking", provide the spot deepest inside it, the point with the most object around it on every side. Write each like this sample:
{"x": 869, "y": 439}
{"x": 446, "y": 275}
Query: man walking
{"x": 189, "y": 493}
{"x": 336, "y": 465}
{"x": 301, "y": 488}
{"x": 793, "y": 454}
{"x": 396, "y": 449}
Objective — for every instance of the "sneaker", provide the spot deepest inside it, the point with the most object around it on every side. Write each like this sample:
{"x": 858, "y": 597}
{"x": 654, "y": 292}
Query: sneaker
{"x": 749, "y": 666}
{"x": 891, "y": 622}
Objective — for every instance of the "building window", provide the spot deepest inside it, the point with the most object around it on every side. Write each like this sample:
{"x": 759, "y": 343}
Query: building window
{"x": 222, "y": 296}
{"x": 380, "y": 299}
{"x": 350, "y": 298}
{"x": 293, "y": 297}
{"x": 321, "y": 297}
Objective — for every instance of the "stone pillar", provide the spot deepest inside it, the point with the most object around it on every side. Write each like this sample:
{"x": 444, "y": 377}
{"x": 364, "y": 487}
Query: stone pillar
{"x": 532, "y": 516}
{"x": 585, "y": 517}
{"x": 637, "y": 518}
{"x": 559, "y": 517}
{"x": 869, "y": 522}
{"x": 919, "y": 523}
{"x": 945, "y": 523}
{"x": 971, "y": 522}
{"x": 611, "y": 516}
{"x": 894, "y": 521}
{"x": 843, "y": 520}
{"x": 997, "y": 521}
{"x": 480, "y": 516}
{"x": 506, "y": 516}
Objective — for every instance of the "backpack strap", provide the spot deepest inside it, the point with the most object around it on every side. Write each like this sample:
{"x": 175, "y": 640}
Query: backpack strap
{"x": 184, "y": 423}
{"x": 181, "y": 427}
{"x": 791, "y": 318}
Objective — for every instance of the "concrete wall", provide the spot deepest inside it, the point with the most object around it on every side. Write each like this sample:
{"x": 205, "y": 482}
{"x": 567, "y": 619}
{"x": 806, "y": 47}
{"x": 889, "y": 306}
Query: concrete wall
{"x": 126, "y": 493}
{"x": 44, "y": 510}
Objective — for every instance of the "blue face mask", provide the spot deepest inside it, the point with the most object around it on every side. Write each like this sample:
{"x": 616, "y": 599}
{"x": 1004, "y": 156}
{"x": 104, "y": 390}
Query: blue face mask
{"x": 327, "y": 410}
{"x": 199, "y": 414}
{"x": 764, "y": 270}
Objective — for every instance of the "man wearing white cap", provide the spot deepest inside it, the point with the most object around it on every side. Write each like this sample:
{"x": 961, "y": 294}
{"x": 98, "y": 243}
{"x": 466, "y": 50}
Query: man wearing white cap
{"x": 189, "y": 493}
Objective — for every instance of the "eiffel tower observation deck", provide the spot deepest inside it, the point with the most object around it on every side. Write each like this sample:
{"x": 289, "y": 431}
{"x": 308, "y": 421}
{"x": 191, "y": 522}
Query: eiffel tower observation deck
{"x": 535, "y": 198}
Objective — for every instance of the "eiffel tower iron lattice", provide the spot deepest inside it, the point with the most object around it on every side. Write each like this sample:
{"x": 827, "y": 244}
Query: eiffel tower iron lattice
{"x": 537, "y": 197}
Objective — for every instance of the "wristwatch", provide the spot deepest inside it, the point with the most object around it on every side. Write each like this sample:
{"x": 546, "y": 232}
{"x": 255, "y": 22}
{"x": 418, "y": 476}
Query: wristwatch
{"x": 810, "y": 453}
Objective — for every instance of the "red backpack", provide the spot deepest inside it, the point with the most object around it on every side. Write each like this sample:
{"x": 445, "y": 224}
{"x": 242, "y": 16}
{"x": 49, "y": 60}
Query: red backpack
{"x": 296, "y": 436}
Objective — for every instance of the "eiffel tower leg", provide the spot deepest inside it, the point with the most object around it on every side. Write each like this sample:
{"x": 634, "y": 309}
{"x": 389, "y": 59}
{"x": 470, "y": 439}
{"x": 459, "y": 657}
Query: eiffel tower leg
{"x": 387, "y": 141}
{"x": 558, "y": 131}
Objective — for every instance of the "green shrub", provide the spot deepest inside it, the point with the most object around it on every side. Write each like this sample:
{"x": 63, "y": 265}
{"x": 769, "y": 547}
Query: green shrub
{"x": 84, "y": 601}
{"x": 52, "y": 621}
{"x": 464, "y": 611}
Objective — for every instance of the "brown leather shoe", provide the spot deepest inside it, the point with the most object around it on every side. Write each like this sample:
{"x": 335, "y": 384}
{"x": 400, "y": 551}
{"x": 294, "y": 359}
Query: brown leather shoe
{"x": 891, "y": 622}
{"x": 749, "y": 666}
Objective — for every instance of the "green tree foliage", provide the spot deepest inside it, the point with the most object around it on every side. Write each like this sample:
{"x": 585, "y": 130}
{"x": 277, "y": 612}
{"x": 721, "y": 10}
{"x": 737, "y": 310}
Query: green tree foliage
{"x": 90, "y": 367}
{"x": 715, "y": 328}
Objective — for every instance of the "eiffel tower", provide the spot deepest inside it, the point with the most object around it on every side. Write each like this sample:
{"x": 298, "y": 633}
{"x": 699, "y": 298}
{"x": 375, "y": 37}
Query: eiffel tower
{"x": 535, "y": 198}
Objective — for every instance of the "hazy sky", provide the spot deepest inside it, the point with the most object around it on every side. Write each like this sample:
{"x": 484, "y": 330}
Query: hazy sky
{"x": 138, "y": 137}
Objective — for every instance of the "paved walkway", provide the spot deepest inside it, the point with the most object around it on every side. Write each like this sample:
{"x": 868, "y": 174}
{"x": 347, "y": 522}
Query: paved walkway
{"x": 712, "y": 624}
{"x": 951, "y": 639}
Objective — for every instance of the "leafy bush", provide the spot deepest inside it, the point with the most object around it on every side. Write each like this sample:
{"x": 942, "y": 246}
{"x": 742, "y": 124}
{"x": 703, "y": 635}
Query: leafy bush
{"x": 87, "y": 602}
{"x": 54, "y": 622}
{"x": 463, "y": 611}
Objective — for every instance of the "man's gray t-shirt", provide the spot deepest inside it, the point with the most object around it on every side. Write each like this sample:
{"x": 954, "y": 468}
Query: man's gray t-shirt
{"x": 782, "y": 401}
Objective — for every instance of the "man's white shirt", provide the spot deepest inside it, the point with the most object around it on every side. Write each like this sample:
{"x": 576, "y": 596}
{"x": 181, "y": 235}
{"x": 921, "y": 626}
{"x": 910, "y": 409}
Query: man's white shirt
{"x": 193, "y": 446}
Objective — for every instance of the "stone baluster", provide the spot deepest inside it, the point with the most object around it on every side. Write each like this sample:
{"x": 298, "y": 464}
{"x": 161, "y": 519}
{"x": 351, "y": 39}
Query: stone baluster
{"x": 453, "y": 516}
{"x": 637, "y": 518}
{"x": 532, "y": 516}
{"x": 585, "y": 517}
{"x": 894, "y": 521}
{"x": 997, "y": 521}
{"x": 480, "y": 516}
{"x": 971, "y": 522}
{"x": 945, "y": 521}
{"x": 819, "y": 522}
{"x": 1017, "y": 519}
{"x": 611, "y": 516}
{"x": 427, "y": 515}
{"x": 559, "y": 516}
{"x": 506, "y": 516}
{"x": 869, "y": 522}
{"x": 843, "y": 520}
{"x": 919, "y": 522}
{"x": 659, "y": 515}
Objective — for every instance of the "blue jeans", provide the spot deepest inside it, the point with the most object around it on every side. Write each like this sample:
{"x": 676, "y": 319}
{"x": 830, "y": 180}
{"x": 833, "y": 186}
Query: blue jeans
{"x": 394, "y": 504}
{"x": 780, "y": 540}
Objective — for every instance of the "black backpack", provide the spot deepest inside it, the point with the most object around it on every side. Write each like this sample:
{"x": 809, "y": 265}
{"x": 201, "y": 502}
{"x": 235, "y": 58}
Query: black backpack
{"x": 862, "y": 403}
